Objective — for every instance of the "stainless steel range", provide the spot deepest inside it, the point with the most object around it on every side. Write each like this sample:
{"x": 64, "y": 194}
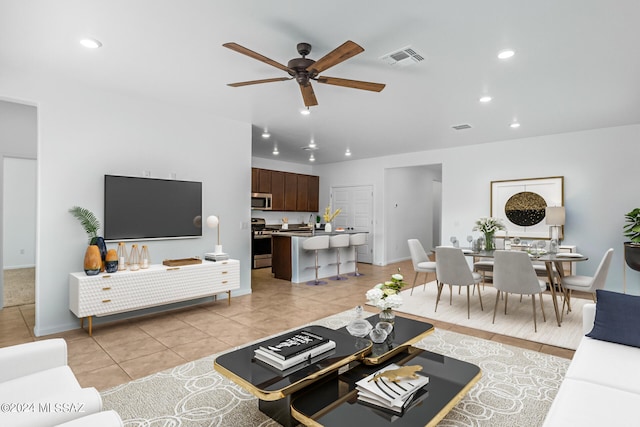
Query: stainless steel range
{"x": 260, "y": 243}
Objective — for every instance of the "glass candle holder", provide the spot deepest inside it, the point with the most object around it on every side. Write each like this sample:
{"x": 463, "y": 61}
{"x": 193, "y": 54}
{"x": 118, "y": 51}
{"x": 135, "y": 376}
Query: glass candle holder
{"x": 145, "y": 260}
{"x": 122, "y": 256}
{"x": 134, "y": 258}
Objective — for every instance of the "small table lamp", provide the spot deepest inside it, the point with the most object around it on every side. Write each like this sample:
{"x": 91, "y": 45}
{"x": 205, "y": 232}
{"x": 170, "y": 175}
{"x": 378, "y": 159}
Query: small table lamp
{"x": 214, "y": 222}
{"x": 554, "y": 217}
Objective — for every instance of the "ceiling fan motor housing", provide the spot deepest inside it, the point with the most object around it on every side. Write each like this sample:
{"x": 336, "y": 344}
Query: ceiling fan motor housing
{"x": 299, "y": 66}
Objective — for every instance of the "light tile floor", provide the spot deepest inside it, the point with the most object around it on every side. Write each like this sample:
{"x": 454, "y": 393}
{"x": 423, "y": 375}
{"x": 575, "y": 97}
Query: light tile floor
{"x": 129, "y": 349}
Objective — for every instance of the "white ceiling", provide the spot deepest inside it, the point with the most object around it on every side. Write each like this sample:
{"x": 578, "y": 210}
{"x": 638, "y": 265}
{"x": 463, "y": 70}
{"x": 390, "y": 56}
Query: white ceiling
{"x": 576, "y": 66}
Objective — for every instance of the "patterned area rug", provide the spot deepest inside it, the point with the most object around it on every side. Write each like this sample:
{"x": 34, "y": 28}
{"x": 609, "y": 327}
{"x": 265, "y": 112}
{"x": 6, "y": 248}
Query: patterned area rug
{"x": 19, "y": 286}
{"x": 517, "y": 388}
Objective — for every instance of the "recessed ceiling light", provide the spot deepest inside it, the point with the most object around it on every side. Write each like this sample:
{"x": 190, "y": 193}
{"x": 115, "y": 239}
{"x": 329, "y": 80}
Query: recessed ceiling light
{"x": 312, "y": 158}
{"x": 312, "y": 144}
{"x": 305, "y": 112}
{"x": 347, "y": 153}
{"x": 275, "y": 151}
{"x": 514, "y": 125}
{"x": 485, "y": 99}
{"x": 266, "y": 134}
{"x": 505, "y": 54}
{"x": 90, "y": 43}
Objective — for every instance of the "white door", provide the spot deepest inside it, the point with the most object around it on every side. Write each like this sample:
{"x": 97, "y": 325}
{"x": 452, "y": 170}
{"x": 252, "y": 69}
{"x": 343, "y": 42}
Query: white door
{"x": 357, "y": 212}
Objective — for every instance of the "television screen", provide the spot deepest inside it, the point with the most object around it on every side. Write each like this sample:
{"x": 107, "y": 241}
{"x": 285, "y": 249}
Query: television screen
{"x": 148, "y": 208}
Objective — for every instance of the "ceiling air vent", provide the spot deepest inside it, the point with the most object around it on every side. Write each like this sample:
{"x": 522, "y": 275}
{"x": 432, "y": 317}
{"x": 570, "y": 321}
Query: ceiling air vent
{"x": 461, "y": 127}
{"x": 403, "y": 57}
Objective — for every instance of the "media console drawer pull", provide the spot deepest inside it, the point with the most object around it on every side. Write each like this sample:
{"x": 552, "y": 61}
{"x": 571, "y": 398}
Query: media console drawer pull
{"x": 107, "y": 288}
{"x": 173, "y": 268}
{"x": 224, "y": 282}
{"x": 107, "y": 276}
{"x": 225, "y": 272}
{"x": 106, "y": 300}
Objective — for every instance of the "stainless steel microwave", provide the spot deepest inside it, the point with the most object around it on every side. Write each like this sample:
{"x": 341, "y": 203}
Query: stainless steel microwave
{"x": 261, "y": 201}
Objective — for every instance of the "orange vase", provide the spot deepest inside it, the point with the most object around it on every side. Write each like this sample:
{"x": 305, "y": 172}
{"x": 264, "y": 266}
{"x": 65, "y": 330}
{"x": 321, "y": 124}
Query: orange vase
{"x": 92, "y": 260}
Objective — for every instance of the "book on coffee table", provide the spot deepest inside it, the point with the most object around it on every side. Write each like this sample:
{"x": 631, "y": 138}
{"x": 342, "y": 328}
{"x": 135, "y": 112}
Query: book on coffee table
{"x": 314, "y": 353}
{"x": 293, "y": 344}
{"x": 393, "y": 390}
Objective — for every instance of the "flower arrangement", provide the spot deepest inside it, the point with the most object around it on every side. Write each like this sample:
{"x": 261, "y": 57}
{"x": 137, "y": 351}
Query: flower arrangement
{"x": 328, "y": 216}
{"x": 489, "y": 225}
{"x": 387, "y": 295}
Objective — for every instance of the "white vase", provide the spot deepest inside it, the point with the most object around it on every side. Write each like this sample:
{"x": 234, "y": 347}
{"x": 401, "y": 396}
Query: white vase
{"x": 327, "y": 227}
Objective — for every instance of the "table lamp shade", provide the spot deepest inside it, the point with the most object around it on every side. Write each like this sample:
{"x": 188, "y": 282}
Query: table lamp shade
{"x": 555, "y": 215}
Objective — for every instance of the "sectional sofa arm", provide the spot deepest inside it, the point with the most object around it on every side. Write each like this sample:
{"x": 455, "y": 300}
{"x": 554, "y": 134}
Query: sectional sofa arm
{"x": 52, "y": 410}
{"x": 588, "y": 317}
{"x": 25, "y": 359}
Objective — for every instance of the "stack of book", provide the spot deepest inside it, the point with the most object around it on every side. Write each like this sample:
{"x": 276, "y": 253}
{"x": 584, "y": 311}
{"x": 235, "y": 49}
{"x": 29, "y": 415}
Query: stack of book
{"x": 211, "y": 256}
{"x": 393, "y": 388}
{"x": 292, "y": 349}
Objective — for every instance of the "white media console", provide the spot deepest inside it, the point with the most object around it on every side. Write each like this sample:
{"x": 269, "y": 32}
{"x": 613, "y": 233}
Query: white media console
{"x": 110, "y": 293}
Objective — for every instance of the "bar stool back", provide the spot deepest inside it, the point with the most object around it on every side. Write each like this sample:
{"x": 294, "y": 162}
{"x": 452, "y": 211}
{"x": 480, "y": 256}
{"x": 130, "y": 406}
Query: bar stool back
{"x": 315, "y": 244}
{"x": 339, "y": 241}
{"x": 356, "y": 240}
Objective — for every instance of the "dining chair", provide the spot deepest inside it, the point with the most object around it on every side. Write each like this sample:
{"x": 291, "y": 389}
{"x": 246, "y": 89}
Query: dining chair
{"x": 587, "y": 283}
{"x": 513, "y": 273}
{"x": 421, "y": 262}
{"x": 452, "y": 269}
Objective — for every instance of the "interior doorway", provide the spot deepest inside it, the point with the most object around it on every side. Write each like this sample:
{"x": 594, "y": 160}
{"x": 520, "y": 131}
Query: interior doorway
{"x": 19, "y": 231}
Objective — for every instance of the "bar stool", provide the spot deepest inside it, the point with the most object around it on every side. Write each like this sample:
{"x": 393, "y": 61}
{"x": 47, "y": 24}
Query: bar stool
{"x": 314, "y": 244}
{"x": 339, "y": 241}
{"x": 356, "y": 240}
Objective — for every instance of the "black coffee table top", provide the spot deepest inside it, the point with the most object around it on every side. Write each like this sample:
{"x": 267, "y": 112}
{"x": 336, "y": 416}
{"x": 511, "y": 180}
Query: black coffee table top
{"x": 269, "y": 383}
{"x": 333, "y": 401}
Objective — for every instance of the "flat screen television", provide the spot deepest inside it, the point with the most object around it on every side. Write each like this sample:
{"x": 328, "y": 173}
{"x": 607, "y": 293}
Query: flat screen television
{"x": 149, "y": 208}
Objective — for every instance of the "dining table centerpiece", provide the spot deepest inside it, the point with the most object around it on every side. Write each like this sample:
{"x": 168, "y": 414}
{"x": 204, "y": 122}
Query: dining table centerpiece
{"x": 386, "y": 296}
{"x": 488, "y": 226}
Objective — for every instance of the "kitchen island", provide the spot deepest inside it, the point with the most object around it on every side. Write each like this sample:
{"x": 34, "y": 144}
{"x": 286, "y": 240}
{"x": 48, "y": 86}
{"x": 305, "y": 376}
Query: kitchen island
{"x": 291, "y": 262}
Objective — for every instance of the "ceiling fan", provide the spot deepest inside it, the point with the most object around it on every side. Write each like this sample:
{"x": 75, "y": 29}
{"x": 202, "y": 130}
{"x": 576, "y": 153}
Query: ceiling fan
{"x": 304, "y": 70}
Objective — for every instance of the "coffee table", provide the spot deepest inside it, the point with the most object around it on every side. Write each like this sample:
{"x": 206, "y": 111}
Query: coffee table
{"x": 276, "y": 390}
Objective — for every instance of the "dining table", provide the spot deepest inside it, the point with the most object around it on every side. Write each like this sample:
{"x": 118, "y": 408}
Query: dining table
{"x": 551, "y": 261}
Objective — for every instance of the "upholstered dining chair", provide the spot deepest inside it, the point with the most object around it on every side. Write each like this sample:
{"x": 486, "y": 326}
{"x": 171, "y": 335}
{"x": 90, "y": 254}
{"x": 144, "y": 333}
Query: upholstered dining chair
{"x": 513, "y": 273}
{"x": 421, "y": 262}
{"x": 452, "y": 269}
{"x": 588, "y": 283}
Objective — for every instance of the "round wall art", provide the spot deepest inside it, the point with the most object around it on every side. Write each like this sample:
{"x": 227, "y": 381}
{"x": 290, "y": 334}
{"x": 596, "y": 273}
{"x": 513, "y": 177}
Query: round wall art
{"x": 525, "y": 208}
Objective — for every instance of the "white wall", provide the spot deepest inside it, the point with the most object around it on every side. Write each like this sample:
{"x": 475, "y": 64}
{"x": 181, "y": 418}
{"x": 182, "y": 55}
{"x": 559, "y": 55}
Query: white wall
{"x": 84, "y": 133}
{"x": 599, "y": 167}
{"x": 408, "y": 199}
{"x": 19, "y": 219}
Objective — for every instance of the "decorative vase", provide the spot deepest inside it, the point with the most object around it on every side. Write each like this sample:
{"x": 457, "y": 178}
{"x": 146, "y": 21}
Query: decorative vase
{"x": 99, "y": 241}
{"x": 145, "y": 260}
{"x": 134, "y": 258}
{"x": 387, "y": 315}
{"x": 92, "y": 260}
{"x": 632, "y": 255}
{"x": 122, "y": 256}
{"x": 489, "y": 242}
{"x": 327, "y": 227}
{"x": 111, "y": 261}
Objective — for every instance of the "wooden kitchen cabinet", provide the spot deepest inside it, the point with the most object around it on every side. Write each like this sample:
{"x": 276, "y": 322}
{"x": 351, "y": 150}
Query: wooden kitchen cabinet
{"x": 302, "y": 193}
{"x": 277, "y": 190}
{"x": 290, "y": 191}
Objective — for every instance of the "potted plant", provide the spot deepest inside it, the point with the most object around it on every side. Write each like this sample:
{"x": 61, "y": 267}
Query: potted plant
{"x": 631, "y": 231}
{"x": 91, "y": 226}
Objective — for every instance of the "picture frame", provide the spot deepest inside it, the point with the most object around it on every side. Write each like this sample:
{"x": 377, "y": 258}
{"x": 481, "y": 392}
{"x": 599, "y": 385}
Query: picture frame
{"x": 521, "y": 205}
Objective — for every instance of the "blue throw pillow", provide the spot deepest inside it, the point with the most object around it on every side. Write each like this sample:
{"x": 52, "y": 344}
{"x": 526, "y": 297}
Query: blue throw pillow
{"x": 617, "y": 318}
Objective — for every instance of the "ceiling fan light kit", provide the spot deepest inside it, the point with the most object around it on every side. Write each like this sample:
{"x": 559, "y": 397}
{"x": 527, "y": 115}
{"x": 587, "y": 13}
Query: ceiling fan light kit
{"x": 305, "y": 70}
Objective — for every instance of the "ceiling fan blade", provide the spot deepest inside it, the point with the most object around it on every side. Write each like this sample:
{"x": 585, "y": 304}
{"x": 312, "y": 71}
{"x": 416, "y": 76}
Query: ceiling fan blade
{"x": 336, "y": 56}
{"x": 308, "y": 96}
{"x": 355, "y": 84}
{"x": 255, "y": 55}
{"x": 255, "y": 82}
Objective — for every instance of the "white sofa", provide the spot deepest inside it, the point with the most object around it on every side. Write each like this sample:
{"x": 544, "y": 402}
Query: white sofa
{"x": 602, "y": 384}
{"x": 37, "y": 388}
